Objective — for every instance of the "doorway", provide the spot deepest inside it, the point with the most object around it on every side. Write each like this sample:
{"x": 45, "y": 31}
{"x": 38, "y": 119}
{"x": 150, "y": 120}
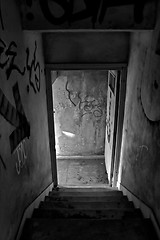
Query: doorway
{"x": 82, "y": 117}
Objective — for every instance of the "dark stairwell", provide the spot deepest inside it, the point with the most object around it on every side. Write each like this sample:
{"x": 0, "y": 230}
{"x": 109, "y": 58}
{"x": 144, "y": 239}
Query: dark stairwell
{"x": 26, "y": 174}
{"x": 87, "y": 213}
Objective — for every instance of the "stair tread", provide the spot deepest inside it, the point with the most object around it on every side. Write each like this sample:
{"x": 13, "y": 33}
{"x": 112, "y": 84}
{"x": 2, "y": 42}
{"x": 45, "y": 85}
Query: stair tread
{"x": 87, "y": 229}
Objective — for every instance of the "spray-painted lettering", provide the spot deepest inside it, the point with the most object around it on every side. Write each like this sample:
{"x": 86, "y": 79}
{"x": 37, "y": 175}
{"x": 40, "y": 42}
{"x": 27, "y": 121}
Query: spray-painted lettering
{"x": 96, "y": 10}
{"x": 1, "y": 17}
{"x": 91, "y": 106}
{"x": 34, "y": 70}
{"x": 8, "y": 56}
{"x": 21, "y": 156}
{"x": 86, "y": 105}
{"x": 15, "y": 116}
{"x": 2, "y": 162}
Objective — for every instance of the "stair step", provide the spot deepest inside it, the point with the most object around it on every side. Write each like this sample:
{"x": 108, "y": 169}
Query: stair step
{"x": 86, "y": 189}
{"x": 86, "y": 205}
{"x": 86, "y": 194}
{"x": 87, "y": 214}
{"x": 86, "y": 198}
{"x": 49, "y": 229}
{"x": 83, "y": 213}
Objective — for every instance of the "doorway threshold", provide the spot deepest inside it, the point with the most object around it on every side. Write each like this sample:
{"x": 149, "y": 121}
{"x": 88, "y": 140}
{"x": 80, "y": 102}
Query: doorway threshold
{"x": 80, "y": 157}
{"x": 94, "y": 187}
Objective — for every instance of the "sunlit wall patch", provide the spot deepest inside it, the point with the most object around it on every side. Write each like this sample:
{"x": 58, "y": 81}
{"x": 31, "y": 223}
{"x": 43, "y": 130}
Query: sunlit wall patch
{"x": 68, "y": 134}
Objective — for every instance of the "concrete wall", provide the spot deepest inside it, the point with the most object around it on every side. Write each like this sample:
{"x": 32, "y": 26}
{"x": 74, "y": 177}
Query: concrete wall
{"x": 141, "y": 132}
{"x": 80, "y": 14}
{"x": 83, "y": 47}
{"x": 24, "y": 146}
{"x": 79, "y": 99}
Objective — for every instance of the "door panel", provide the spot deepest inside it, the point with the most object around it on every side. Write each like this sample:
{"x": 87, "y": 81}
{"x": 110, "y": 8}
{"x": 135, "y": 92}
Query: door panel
{"x": 110, "y": 119}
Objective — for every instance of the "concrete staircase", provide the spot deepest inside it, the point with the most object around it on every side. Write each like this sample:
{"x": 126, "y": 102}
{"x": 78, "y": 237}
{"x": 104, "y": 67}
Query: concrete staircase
{"x": 87, "y": 213}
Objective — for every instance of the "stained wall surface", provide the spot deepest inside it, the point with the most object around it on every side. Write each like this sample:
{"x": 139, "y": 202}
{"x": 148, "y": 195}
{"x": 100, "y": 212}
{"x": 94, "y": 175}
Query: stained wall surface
{"x": 141, "y": 132}
{"x": 79, "y": 100}
{"x": 24, "y": 146}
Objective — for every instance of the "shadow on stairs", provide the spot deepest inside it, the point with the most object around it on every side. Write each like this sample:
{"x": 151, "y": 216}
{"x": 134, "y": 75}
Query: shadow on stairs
{"x": 87, "y": 213}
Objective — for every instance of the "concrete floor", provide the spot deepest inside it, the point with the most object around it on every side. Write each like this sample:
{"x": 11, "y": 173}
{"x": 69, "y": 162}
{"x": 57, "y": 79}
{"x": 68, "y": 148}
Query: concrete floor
{"x": 82, "y": 171}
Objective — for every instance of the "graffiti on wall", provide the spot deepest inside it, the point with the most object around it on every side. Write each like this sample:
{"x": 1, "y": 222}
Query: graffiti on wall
{"x": 1, "y": 160}
{"x": 140, "y": 151}
{"x": 15, "y": 116}
{"x": 21, "y": 156}
{"x": 34, "y": 70}
{"x": 95, "y": 10}
{"x": 8, "y": 54}
{"x": 1, "y": 17}
{"x": 70, "y": 94}
{"x": 86, "y": 105}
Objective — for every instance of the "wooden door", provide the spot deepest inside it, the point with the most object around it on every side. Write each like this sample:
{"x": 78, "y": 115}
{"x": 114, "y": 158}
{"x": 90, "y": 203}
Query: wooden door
{"x": 110, "y": 120}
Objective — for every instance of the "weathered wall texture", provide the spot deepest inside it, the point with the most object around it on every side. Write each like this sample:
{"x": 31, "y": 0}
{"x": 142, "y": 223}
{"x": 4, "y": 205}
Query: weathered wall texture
{"x": 79, "y": 99}
{"x": 83, "y": 14}
{"x": 83, "y": 47}
{"x": 24, "y": 148}
{"x": 141, "y": 134}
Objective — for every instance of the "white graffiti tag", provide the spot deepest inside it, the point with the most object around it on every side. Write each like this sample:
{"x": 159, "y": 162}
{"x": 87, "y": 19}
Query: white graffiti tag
{"x": 140, "y": 150}
{"x": 21, "y": 153}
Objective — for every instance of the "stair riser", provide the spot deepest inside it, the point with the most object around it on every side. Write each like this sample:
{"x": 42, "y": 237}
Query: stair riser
{"x": 76, "y": 214}
{"x": 49, "y": 229}
{"x": 86, "y": 199}
{"x": 85, "y": 194}
{"x": 89, "y": 189}
{"x": 86, "y": 205}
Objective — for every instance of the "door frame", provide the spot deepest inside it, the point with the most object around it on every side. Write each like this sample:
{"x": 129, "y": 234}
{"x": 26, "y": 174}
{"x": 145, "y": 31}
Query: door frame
{"x": 120, "y": 115}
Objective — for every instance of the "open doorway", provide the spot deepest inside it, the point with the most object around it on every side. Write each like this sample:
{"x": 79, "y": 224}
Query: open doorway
{"x": 85, "y": 112}
{"x": 80, "y": 103}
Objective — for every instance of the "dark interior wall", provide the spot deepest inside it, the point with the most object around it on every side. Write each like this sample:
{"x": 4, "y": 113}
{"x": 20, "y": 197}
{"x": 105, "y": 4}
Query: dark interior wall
{"x": 80, "y": 14}
{"x": 141, "y": 132}
{"x": 83, "y": 47}
{"x": 24, "y": 147}
{"x": 79, "y": 100}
